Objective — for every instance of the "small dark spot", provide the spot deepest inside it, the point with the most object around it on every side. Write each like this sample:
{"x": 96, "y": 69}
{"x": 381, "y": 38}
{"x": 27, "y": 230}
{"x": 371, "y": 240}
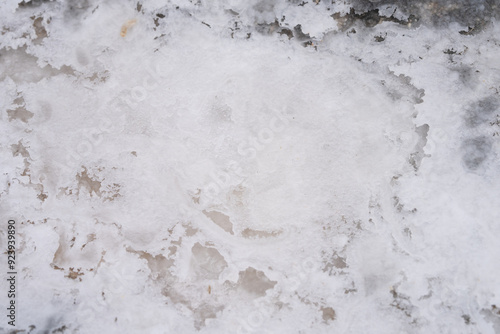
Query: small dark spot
{"x": 473, "y": 30}
{"x": 74, "y": 274}
{"x": 299, "y": 34}
{"x": 286, "y": 31}
{"x": 232, "y": 12}
{"x": 60, "y": 329}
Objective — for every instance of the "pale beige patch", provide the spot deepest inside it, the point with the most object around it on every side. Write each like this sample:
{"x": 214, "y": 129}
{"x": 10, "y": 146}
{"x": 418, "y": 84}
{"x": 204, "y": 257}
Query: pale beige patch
{"x": 220, "y": 219}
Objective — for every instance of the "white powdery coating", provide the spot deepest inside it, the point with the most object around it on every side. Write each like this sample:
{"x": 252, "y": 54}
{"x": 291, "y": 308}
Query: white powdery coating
{"x": 187, "y": 177}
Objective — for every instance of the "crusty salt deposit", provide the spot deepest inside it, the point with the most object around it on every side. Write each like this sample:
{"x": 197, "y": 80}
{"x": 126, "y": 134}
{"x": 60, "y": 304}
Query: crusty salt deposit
{"x": 251, "y": 166}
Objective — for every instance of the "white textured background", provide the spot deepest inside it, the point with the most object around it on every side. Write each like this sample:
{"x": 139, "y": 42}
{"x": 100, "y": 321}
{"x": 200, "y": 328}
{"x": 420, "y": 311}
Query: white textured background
{"x": 206, "y": 173}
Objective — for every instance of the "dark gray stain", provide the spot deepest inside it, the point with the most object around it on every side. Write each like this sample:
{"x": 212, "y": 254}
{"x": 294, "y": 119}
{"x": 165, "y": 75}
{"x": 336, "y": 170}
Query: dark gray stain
{"x": 481, "y": 111}
{"x": 476, "y": 151}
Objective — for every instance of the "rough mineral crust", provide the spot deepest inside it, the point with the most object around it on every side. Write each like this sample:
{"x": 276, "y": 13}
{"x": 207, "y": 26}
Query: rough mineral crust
{"x": 251, "y": 166}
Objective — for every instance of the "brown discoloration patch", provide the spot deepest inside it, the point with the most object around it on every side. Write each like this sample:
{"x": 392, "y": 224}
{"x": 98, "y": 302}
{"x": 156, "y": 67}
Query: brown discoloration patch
{"x": 335, "y": 263}
{"x": 60, "y": 252}
{"x": 19, "y": 149}
{"x": 42, "y": 196}
{"x": 204, "y": 312}
{"x": 40, "y": 30}
{"x": 287, "y": 32}
{"x": 127, "y": 25}
{"x": 91, "y": 237}
{"x": 74, "y": 274}
{"x": 92, "y": 180}
{"x": 328, "y": 314}
{"x": 401, "y": 302}
{"x": 220, "y": 219}
{"x": 112, "y": 192}
{"x": 255, "y": 281}
{"x": 92, "y": 185}
{"x": 190, "y": 231}
{"x": 158, "y": 264}
{"x": 20, "y": 113}
{"x": 99, "y": 77}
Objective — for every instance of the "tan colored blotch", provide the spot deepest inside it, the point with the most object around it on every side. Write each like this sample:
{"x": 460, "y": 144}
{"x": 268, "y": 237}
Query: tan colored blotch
{"x": 207, "y": 262}
{"x": 126, "y": 26}
{"x": 255, "y": 281}
{"x": 328, "y": 314}
{"x": 92, "y": 185}
{"x": 220, "y": 219}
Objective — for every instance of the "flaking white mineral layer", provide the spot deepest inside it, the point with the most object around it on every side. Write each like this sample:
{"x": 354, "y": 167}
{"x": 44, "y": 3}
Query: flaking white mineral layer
{"x": 249, "y": 167}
